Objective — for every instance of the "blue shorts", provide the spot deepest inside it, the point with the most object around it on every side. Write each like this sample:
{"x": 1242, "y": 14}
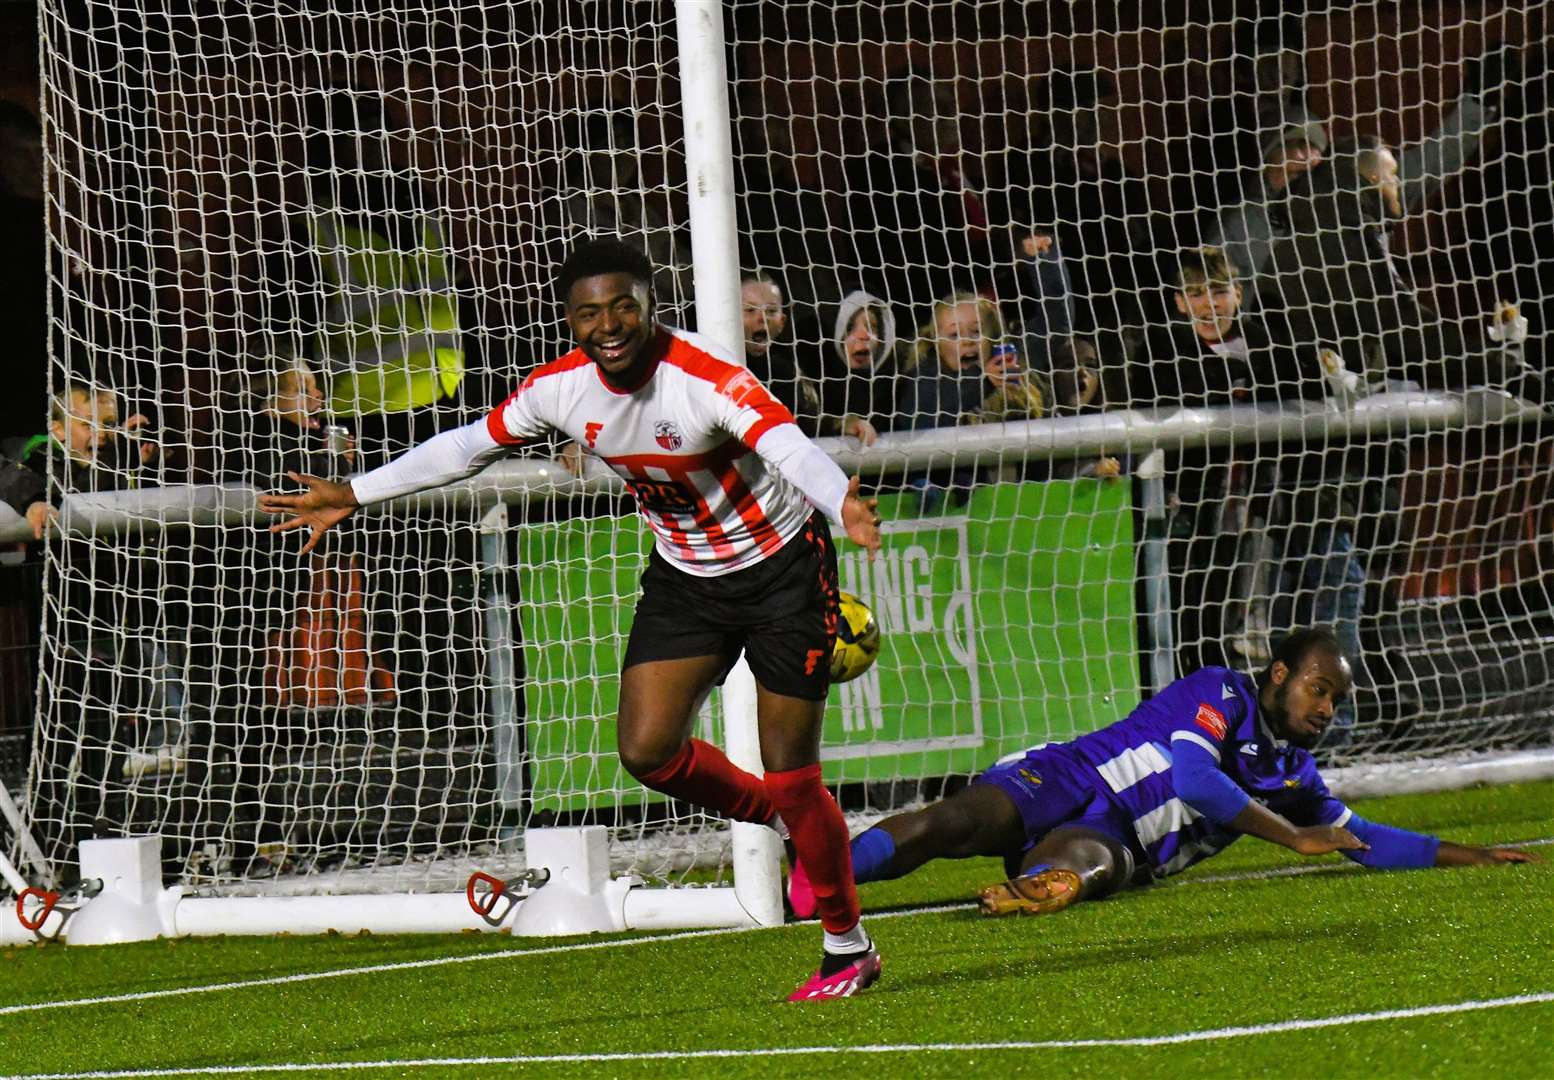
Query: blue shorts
{"x": 1050, "y": 789}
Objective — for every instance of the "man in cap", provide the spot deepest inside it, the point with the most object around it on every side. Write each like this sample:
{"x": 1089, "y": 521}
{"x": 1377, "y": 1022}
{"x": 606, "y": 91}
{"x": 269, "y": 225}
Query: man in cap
{"x": 1292, "y": 147}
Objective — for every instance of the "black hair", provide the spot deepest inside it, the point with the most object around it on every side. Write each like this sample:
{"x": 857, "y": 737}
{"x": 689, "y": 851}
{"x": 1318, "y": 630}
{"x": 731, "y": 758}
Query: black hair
{"x": 602, "y": 255}
{"x": 1293, "y": 650}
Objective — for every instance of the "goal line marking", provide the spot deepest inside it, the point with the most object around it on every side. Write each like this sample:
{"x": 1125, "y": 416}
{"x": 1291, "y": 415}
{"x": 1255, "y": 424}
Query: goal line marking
{"x": 584, "y": 946}
{"x": 1174, "y": 1038}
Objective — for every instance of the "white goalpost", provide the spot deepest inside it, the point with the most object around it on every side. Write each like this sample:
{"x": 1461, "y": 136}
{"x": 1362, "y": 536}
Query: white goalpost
{"x": 412, "y": 890}
{"x": 294, "y": 240}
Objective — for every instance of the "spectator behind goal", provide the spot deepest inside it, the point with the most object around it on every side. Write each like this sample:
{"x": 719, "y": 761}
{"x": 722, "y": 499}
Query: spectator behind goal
{"x": 862, "y": 369}
{"x": 769, "y": 352}
{"x": 967, "y": 371}
{"x": 1248, "y": 231}
{"x": 117, "y": 653}
{"x": 287, "y": 638}
{"x": 1336, "y": 282}
{"x": 309, "y": 613}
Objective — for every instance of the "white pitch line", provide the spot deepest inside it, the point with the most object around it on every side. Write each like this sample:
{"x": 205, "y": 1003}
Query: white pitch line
{"x": 1174, "y": 1038}
{"x": 439, "y": 961}
{"x": 584, "y": 946}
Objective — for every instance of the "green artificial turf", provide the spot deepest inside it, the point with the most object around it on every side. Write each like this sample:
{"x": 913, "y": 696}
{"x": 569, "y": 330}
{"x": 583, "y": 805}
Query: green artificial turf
{"x": 1192, "y": 955}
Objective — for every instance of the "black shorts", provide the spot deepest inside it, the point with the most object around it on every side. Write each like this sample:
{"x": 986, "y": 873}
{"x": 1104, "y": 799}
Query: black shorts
{"x": 781, "y": 612}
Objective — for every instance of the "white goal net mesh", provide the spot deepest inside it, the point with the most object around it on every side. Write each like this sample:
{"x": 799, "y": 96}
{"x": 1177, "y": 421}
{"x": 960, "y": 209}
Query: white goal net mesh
{"x": 1244, "y": 296}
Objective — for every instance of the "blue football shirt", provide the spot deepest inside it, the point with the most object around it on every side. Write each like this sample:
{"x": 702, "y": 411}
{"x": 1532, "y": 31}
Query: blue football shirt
{"x": 1216, "y": 710}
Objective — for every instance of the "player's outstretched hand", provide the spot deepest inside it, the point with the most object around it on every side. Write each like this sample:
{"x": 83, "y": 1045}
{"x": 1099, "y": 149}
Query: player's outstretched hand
{"x": 321, "y": 507}
{"x": 1321, "y": 839}
{"x": 861, "y": 519}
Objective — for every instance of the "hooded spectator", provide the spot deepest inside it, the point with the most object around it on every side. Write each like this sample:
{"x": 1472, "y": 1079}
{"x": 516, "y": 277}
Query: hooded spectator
{"x": 862, "y": 370}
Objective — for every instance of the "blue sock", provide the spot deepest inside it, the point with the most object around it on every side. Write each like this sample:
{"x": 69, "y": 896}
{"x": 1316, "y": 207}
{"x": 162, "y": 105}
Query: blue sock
{"x": 872, "y": 851}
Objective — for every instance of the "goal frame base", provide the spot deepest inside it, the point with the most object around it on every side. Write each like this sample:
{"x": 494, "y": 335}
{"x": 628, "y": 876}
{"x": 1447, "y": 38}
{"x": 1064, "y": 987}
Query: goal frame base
{"x": 580, "y": 897}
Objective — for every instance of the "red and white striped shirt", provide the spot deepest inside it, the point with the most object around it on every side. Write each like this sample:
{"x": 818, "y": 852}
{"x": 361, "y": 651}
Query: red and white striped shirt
{"x": 716, "y": 464}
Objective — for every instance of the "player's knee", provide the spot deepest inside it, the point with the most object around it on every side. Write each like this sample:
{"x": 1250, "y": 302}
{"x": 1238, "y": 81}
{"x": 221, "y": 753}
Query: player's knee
{"x": 642, "y": 757}
{"x": 1102, "y": 863}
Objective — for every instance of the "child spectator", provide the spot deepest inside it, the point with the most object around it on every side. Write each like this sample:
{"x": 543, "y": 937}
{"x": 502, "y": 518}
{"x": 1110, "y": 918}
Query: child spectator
{"x": 861, "y": 370}
{"x": 282, "y": 429}
{"x": 966, "y": 371}
{"x": 116, "y": 658}
{"x": 769, "y": 354}
{"x": 1079, "y": 388}
{"x": 1210, "y": 353}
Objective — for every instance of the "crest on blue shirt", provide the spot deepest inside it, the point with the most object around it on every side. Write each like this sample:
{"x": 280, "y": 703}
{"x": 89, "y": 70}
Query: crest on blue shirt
{"x": 667, "y": 435}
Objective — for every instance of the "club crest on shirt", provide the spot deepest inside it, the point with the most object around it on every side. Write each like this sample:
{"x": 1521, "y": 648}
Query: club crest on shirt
{"x": 1211, "y": 720}
{"x": 1028, "y": 778}
{"x": 667, "y": 435}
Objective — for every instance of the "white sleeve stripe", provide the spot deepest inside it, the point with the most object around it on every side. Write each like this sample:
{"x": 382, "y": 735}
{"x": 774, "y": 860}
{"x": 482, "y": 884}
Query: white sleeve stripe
{"x": 1196, "y": 738}
{"x": 1344, "y": 817}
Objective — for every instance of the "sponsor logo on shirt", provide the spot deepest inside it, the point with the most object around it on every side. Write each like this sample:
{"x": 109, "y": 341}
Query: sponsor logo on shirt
{"x": 1211, "y": 720}
{"x": 663, "y": 496}
{"x": 667, "y": 435}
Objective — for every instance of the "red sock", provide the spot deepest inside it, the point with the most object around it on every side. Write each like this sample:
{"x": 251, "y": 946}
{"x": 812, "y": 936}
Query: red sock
{"x": 702, "y": 774}
{"x": 819, "y": 834}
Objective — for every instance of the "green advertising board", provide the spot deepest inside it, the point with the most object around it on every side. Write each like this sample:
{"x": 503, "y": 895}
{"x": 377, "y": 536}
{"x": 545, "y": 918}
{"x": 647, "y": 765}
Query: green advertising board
{"x": 1006, "y": 622}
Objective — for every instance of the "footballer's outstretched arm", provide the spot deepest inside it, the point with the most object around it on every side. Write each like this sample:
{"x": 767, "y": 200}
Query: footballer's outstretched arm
{"x": 1391, "y": 848}
{"x": 450, "y": 456}
{"x": 1257, "y": 820}
{"x": 1203, "y": 785}
{"x": 806, "y": 466}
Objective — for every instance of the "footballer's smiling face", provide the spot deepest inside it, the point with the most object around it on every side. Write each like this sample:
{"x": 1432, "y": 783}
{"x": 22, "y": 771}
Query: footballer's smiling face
{"x": 611, "y": 316}
{"x": 1300, "y": 702}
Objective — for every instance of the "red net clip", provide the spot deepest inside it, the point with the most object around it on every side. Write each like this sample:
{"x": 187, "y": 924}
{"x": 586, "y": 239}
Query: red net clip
{"x": 48, "y": 899}
{"x": 484, "y": 905}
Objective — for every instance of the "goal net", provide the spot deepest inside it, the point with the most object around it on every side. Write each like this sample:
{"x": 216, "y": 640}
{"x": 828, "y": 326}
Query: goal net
{"x": 1172, "y": 336}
